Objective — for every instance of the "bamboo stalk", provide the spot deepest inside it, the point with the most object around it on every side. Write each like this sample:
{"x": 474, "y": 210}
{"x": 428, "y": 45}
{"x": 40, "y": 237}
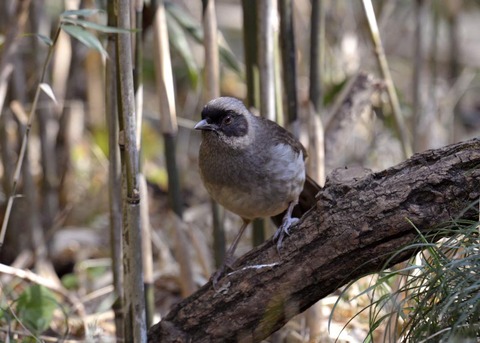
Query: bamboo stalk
{"x": 266, "y": 20}
{"x": 289, "y": 61}
{"x": 250, "y": 44}
{"x": 315, "y": 319}
{"x": 250, "y": 29}
{"x": 266, "y": 16}
{"x": 7, "y": 155}
{"x": 114, "y": 176}
{"x": 169, "y": 128}
{"x": 212, "y": 66}
{"x": 47, "y": 126}
{"x": 145, "y": 219}
{"x": 138, "y": 70}
{"x": 212, "y": 90}
{"x": 400, "y": 125}
{"x": 69, "y": 93}
{"x": 134, "y": 305}
{"x": 166, "y": 95}
{"x": 453, "y": 9}
{"x": 316, "y": 147}
{"x": 417, "y": 104}
{"x": 147, "y": 256}
{"x": 174, "y": 192}
{"x": 433, "y": 58}
{"x": 317, "y": 54}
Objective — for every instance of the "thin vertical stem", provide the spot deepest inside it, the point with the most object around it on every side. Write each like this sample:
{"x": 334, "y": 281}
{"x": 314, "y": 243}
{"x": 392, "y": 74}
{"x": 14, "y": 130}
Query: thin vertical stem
{"x": 317, "y": 54}
{"x": 250, "y": 45}
{"x": 212, "y": 66}
{"x": 47, "y": 125}
{"x": 433, "y": 56}
{"x": 114, "y": 176}
{"x": 316, "y": 162}
{"x": 7, "y": 153}
{"x": 289, "y": 62}
{"x": 212, "y": 90}
{"x": 132, "y": 240}
{"x": 384, "y": 69}
{"x": 166, "y": 95}
{"x": 138, "y": 70}
{"x": 417, "y": 73}
{"x": 172, "y": 172}
{"x": 266, "y": 16}
{"x": 168, "y": 120}
{"x": 453, "y": 8}
{"x": 266, "y": 21}
{"x": 250, "y": 29}
{"x": 145, "y": 219}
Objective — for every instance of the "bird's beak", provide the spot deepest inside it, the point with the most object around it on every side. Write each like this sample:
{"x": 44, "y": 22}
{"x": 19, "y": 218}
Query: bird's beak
{"x": 204, "y": 125}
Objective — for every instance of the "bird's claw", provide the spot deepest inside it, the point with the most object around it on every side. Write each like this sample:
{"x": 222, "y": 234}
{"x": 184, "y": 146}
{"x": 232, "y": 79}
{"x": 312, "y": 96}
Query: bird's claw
{"x": 222, "y": 271}
{"x": 283, "y": 230}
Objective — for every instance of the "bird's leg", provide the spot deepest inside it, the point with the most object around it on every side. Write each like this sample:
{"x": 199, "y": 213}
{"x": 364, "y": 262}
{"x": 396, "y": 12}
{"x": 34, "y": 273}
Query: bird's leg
{"x": 229, "y": 257}
{"x": 283, "y": 229}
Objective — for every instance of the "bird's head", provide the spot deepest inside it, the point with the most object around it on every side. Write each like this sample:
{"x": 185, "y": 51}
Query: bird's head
{"x": 225, "y": 119}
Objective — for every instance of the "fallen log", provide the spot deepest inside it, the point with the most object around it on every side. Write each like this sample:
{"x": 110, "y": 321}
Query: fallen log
{"x": 357, "y": 224}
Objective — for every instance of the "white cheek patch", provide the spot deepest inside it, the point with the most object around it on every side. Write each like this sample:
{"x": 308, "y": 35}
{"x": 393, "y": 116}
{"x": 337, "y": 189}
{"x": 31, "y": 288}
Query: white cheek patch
{"x": 236, "y": 142}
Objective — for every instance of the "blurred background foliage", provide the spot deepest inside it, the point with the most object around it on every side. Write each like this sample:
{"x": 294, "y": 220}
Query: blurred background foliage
{"x": 59, "y": 222}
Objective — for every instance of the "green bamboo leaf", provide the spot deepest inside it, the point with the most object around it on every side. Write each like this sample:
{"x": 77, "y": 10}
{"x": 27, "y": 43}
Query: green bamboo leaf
{"x": 86, "y": 12}
{"x": 85, "y": 37}
{"x": 192, "y": 26}
{"x": 185, "y": 20}
{"x": 180, "y": 43}
{"x": 227, "y": 56}
{"x": 43, "y": 38}
{"x": 97, "y": 27}
{"x": 35, "y": 308}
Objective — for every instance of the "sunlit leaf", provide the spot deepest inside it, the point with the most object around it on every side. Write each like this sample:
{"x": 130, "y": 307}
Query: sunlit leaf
{"x": 85, "y": 37}
{"x": 35, "y": 308}
{"x": 45, "y": 87}
{"x": 95, "y": 26}
{"x": 86, "y": 12}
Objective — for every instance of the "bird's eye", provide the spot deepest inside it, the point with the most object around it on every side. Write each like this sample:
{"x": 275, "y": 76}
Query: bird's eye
{"x": 228, "y": 120}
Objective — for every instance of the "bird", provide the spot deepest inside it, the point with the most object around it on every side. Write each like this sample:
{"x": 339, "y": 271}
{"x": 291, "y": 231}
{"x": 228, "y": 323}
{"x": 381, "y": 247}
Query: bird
{"x": 251, "y": 166}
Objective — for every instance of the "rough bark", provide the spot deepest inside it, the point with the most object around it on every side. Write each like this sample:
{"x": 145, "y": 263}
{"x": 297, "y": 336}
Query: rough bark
{"x": 356, "y": 225}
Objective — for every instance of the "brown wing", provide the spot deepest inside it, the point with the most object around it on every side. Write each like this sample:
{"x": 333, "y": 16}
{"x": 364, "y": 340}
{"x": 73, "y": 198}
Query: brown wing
{"x": 277, "y": 134}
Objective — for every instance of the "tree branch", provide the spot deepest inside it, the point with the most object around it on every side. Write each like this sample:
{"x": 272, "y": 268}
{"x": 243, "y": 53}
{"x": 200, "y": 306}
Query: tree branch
{"x": 357, "y": 224}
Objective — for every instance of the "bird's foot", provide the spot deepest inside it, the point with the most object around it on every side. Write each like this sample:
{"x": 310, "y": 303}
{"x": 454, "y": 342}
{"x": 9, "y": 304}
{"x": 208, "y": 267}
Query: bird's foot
{"x": 283, "y": 230}
{"x": 221, "y": 272}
